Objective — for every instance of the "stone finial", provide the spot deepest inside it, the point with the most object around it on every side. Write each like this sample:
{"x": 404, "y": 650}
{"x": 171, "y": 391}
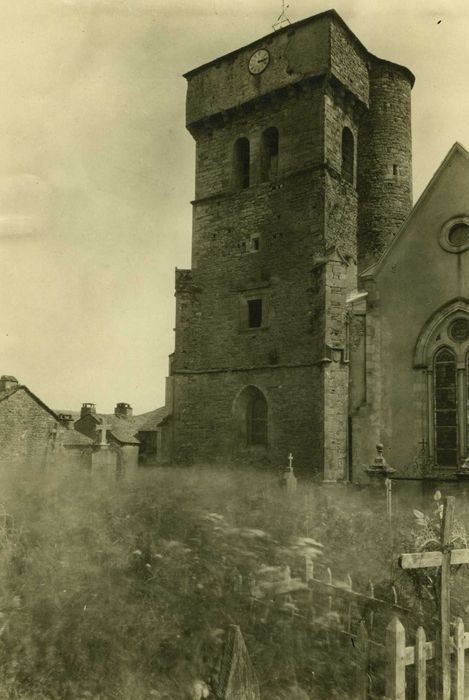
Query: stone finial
{"x": 380, "y": 467}
{"x": 380, "y": 462}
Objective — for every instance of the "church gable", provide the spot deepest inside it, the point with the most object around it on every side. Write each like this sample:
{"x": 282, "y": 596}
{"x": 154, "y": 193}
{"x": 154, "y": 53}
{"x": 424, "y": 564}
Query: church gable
{"x": 418, "y": 329}
{"x": 434, "y": 240}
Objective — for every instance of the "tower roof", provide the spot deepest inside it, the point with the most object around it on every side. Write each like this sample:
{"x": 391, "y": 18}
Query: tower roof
{"x": 332, "y": 14}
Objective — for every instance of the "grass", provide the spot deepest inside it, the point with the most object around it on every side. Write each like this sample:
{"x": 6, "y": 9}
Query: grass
{"x": 125, "y": 589}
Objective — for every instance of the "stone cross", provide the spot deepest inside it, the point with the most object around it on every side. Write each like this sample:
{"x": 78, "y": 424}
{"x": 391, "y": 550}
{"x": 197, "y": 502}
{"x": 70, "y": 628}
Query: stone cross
{"x": 441, "y": 559}
{"x": 101, "y": 431}
{"x": 288, "y": 479}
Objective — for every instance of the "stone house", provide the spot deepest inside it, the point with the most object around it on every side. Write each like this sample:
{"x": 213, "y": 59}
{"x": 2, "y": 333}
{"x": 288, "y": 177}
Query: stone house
{"x": 140, "y": 438}
{"x": 321, "y": 313}
{"x": 32, "y": 434}
{"x": 116, "y": 430}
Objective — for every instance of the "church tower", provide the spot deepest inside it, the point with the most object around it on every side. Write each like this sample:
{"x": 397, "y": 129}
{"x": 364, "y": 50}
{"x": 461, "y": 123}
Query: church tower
{"x": 303, "y": 174}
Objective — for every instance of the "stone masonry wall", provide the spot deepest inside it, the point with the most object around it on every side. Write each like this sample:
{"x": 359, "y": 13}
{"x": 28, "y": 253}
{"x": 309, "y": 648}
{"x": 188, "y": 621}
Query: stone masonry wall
{"x": 26, "y": 431}
{"x": 290, "y": 242}
{"x": 205, "y": 423}
{"x": 384, "y": 162}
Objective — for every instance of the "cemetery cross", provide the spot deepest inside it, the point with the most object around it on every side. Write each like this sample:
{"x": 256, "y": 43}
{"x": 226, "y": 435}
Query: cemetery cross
{"x": 443, "y": 560}
{"x": 101, "y": 431}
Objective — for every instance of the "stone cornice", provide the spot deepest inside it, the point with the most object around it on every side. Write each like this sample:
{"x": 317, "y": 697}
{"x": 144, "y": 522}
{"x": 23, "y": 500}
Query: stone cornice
{"x": 277, "y": 184}
{"x": 330, "y": 84}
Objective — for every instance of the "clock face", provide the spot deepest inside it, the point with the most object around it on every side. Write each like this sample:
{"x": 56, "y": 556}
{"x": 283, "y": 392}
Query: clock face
{"x": 259, "y": 61}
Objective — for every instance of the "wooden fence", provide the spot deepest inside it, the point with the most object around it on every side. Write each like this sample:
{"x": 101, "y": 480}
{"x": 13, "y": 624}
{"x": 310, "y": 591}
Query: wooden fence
{"x": 332, "y": 605}
{"x": 387, "y": 667}
{"x": 399, "y": 657}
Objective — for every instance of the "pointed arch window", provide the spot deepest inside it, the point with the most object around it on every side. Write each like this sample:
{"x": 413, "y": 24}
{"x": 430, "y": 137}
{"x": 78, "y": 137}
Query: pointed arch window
{"x": 251, "y": 418}
{"x": 442, "y": 351}
{"x": 256, "y": 417}
{"x": 467, "y": 403}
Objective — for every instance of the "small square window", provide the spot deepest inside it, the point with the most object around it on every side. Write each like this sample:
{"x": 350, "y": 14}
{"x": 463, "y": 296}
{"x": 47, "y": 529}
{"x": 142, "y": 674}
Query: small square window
{"x": 255, "y": 244}
{"x": 254, "y": 313}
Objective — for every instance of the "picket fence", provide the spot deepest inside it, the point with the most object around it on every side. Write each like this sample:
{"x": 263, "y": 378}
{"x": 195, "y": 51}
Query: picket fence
{"x": 330, "y": 604}
{"x": 387, "y": 667}
{"x": 399, "y": 656}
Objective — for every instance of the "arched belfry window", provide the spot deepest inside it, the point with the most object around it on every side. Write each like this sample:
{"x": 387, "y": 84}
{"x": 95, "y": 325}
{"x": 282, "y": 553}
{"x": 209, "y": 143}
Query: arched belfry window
{"x": 269, "y": 154}
{"x": 241, "y": 163}
{"x": 348, "y": 155}
{"x": 446, "y": 408}
{"x": 251, "y": 414}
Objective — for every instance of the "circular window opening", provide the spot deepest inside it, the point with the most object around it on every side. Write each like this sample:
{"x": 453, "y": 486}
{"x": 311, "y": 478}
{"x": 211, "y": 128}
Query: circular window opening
{"x": 459, "y": 235}
{"x": 459, "y": 330}
{"x": 454, "y": 236}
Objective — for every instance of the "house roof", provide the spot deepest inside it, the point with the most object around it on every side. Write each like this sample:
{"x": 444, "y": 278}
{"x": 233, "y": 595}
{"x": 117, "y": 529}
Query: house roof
{"x": 4, "y": 395}
{"x": 148, "y": 422}
{"x": 73, "y": 438}
{"x": 456, "y": 149}
{"x": 125, "y": 429}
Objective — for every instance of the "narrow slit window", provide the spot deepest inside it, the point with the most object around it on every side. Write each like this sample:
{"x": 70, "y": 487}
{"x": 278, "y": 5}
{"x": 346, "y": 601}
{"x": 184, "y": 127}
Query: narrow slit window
{"x": 254, "y": 313}
{"x": 348, "y": 155}
{"x": 241, "y": 163}
{"x": 255, "y": 244}
{"x": 269, "y": 155}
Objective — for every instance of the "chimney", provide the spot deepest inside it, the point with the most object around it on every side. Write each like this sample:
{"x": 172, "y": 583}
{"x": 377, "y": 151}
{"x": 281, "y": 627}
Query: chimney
{"x": 123, "y": 410}
{"x": 87, "y": 408}
{"x": 7, "y": 382}
{"x": 67, "y": 420}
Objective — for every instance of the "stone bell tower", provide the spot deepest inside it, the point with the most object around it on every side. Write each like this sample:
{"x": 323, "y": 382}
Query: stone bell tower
{"x": 287, "y": 140}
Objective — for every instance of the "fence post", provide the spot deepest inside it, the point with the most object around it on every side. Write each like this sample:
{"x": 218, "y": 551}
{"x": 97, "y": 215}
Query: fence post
{"x": 309, "y": 569}
{"x": 362, "y": 665}
{"x": 349, "y": 583}
{"x": 459, "y": 662}
{"x": 420, "y": 665}
{"x": 371, "y": 594}
{"x": 395, "y": 659}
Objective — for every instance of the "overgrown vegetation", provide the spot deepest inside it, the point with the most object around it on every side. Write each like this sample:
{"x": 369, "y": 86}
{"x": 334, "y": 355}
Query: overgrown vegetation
{"x": 124, "y": 589}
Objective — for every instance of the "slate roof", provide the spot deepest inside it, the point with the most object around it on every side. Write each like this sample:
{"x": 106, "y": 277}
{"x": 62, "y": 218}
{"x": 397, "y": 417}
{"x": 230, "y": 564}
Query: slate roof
{"x": 21, "y": 387}
{"x": 72, "y": 438}
{"x": 69, "y": 438}
{"x": 125, "y": 430}
{"x": 148, "y": 422}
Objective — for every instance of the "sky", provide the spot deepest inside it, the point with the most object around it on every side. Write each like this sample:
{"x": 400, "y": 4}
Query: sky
{"x": 96, "y": 168}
